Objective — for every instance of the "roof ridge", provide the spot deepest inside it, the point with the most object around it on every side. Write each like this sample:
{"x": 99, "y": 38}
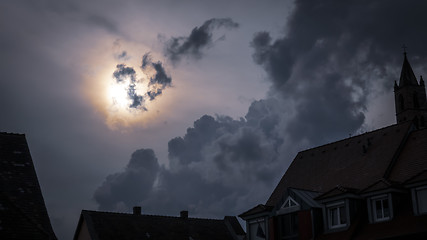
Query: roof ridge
{"x": 353, "y": 137}
{"x": 12, "y": 133}
{"x": 150, "y": 215}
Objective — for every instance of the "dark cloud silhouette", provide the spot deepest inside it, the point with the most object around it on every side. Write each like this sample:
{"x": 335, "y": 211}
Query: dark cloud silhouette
{"x": 122, "y": 73}
{"x": 199, "y": 39}
{"x": 159, "y": 80}
{"x": 330, "y": 58}
{"x": 214, "y": 153}
{"x": 129, "y": 187}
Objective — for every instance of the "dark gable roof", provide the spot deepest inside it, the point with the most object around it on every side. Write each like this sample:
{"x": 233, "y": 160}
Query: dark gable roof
{"x": 259, "y": 209}
{"x": 22, "y": 209}
{"x": 412, "y": 160}
{"x": 355, "y": 162}
{"x": 107, "y": 225}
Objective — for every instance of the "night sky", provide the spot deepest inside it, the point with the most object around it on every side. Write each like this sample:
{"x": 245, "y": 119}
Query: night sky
{"x": 193, "y": 105}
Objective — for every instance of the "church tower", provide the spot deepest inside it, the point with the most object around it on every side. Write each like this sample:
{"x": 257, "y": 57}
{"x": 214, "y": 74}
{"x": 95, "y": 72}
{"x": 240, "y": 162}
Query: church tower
{"x": 410, "y": 97}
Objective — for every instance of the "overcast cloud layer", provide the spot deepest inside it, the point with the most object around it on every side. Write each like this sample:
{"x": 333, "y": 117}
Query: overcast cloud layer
{"x": 328, "y": 68}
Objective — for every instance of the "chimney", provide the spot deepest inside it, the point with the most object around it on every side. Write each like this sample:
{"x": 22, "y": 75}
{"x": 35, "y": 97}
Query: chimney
{"x": 183, "y": 214}
{"x": 137, "y": 210}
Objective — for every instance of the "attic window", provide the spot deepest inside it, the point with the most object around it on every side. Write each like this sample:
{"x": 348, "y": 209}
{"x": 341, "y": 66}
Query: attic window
{"x": 290, "y": 203}
{"x": 289, "y": 206}
{"x": 421, "y": 199}
{"x": 337, "y": 216}
{"x": 381, "y": 208}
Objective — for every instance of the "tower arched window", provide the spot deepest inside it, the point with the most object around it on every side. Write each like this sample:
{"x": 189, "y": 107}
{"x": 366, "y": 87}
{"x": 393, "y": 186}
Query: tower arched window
{"x": 416, "y": 103}
{"x": 401, "y": 103}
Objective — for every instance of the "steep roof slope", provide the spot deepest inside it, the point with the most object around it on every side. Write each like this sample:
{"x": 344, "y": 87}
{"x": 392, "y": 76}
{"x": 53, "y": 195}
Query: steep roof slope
{"x": 107, "y": 225}
{"x": 355, "y": 162}
{"x": 22, "y": 209}
{"x": 412, "y": 159}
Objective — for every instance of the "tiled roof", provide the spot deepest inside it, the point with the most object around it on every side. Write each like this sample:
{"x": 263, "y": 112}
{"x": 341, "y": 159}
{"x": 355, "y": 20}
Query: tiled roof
{"x": 260, "y": 208}
{"x": 413, "y": 158}
{"x": 355, "y": 162}
{"x": 107, "y": 225}
{"x": 336, "y": 191}
{"x": 22, "y": 209}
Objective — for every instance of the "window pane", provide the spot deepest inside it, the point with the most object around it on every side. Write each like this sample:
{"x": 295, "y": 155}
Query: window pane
{"x": 386, "y": 209}
{"x": 343, "y": 219}
{"x": 257, "y": 231}
{"x": 422, "y": 200}
{"x": 378, "y": 209}
{"x": 334, "y": 216}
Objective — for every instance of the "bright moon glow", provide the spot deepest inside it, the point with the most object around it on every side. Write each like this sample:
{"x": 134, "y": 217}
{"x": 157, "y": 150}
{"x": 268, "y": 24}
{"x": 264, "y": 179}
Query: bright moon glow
{"x": 117, "y": 93}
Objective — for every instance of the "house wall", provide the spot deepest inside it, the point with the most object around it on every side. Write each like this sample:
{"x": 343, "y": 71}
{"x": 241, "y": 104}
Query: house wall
{"x": 305, "y": 229}
{"x": 84, "y": 232}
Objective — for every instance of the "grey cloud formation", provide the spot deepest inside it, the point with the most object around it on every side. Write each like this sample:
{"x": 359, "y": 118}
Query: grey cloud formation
{"x": 200, "y": 38}
{"x": 218, "y": 161}
{"x": 159, "y": 80}
{"x": 127, "y": 188}
{"x": 332, "y": 56}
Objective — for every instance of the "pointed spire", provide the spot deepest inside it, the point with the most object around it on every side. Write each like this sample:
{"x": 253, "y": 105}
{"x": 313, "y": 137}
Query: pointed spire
{"x": 407, "y": 76}
{"x": 421, "y": 81}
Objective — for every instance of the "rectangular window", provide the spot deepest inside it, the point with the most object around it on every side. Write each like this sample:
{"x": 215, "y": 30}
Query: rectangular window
{"x": 337, "y": 216}
{"x": 381, "y": 209}
{"x": 289, "y": 226}
{"x": 422, "y": 200}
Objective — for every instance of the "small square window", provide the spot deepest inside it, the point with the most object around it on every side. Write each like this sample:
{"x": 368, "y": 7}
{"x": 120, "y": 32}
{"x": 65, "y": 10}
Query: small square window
{"x": 422, "y": 200}
{"x": 381, "y": 209}
{"x": 337, "y": 216}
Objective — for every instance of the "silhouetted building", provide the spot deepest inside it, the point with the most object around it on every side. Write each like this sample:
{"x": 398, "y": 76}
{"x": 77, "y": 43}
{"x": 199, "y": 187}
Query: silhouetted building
{"x": 371, "y": 186}
{"x": 23, "y": 214}
{"x": 108, "y": 225}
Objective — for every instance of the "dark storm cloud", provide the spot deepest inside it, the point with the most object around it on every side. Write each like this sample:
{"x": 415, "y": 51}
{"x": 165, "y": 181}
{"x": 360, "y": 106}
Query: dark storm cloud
{"x": 159, "y": 80}
{"x": 122, "y": 73}
{"x": 213, "y": 153}
{"x": 330, "y": 56}
{"x": 130, "y": 187}
{"x": 199, "y": 39}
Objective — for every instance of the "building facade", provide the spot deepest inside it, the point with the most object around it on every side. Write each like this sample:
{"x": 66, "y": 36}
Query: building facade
{"x": 370, "y": 186}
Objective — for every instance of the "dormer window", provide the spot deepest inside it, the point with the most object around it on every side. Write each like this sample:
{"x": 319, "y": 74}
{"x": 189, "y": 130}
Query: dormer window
{"x": 337, "y": 216}
{"x": 421, "y": 199}
{"x": 289, "y": 203}
{"x": 381, "y": 208}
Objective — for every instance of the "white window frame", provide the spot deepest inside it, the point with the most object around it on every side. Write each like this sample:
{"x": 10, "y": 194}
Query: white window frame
{"x": 381, "y": 198}
{"x": 337, "y": 206}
